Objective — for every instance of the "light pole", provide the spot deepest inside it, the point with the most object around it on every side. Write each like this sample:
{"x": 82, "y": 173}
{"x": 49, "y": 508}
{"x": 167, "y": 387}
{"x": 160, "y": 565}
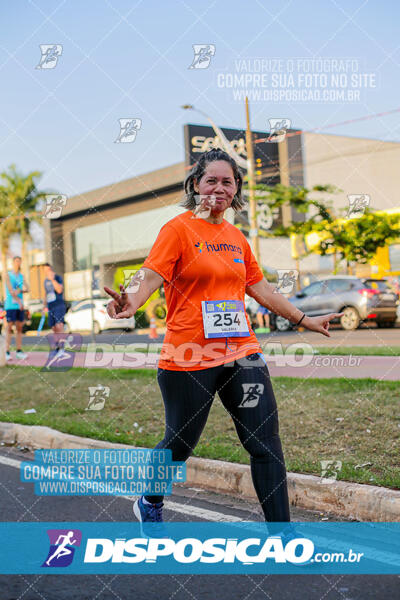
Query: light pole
{"x": 250, "y": 175}
{"x": 91, "y": 291}
{"x": 248, "y": 165}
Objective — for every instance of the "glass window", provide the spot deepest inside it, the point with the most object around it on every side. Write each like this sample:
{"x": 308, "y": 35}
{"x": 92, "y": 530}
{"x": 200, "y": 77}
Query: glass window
{"x": 340, "y": 285}
{"x": 75, "y": 305}
{"x": 132, "y": 232}
{"x": 394, "y": 257}
{"x": 85, "y": 306}
{"x": 376, "y": 284}
{"x": 315, "y": 288}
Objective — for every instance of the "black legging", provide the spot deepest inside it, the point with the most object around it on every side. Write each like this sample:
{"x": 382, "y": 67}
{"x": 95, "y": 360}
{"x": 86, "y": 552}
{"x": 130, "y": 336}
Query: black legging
{"x": 246, "y": 392}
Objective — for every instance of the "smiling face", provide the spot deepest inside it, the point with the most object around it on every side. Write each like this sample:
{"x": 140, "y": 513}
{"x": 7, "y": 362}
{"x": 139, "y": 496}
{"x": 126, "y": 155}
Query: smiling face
{"x": 218, "y": 181}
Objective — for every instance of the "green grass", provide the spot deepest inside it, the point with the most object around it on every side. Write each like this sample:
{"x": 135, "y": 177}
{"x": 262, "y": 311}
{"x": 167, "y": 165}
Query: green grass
{"x": 361, "y": 350}
{"x": 308, "y": 408}
{"x": 333, "y": 350}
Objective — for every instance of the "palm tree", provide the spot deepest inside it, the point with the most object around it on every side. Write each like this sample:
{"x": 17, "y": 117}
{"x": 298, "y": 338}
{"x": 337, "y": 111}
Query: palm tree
{"x": 19, "y": 197}
{"x": 7, "y": 228}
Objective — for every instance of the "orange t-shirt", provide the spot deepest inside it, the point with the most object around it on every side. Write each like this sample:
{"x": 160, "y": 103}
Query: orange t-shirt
{"x": 199, "y": 261}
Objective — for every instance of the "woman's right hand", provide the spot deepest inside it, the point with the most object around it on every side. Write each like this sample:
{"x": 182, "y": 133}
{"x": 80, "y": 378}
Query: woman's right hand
{"x": 119, "y": 307}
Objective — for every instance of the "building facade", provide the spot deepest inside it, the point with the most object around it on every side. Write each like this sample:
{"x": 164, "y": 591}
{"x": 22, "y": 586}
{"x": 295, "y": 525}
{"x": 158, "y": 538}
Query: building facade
{"x": 116, "y": 225}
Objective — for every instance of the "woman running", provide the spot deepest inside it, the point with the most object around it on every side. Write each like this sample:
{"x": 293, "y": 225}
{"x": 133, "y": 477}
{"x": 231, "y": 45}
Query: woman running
{"x": 206, "y": 266}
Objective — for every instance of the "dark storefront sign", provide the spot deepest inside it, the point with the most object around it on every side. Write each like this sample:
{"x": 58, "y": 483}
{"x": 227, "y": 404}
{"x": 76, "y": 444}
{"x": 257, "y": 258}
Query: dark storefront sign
{"x": 200, "y": 139}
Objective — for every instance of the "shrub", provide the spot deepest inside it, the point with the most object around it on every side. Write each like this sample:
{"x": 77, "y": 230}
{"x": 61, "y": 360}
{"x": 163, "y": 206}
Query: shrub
{"x": 35, "y": 320}
{"x": 141, "y": 319}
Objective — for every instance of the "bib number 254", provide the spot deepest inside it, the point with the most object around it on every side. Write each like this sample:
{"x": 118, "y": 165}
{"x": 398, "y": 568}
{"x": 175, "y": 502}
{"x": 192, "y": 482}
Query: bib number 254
{"x": 224, "y": 318}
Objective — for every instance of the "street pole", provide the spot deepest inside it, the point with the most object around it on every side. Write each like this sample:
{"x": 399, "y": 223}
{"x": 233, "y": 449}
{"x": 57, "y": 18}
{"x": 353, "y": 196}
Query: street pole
{"x": 91, "y": 290}
{"x": 3, "y": 263}
{"x": 244, "y": 164}
{"x": 284, "y": 179}
{"x": 298, "y": 283}
{"x": 251, "y": 180}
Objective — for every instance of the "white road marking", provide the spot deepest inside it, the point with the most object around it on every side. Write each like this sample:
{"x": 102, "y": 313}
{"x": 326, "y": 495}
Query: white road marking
{"x": 191, "y": 511}
{"x": 10, "y": 462}
{"x": 211, "y": 515}
{"x": 194, "y": 511}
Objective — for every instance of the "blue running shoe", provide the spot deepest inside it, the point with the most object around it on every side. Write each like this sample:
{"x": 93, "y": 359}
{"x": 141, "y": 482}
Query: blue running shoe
{"x": 150, "y": 517}
{"x": 290, "y": 533}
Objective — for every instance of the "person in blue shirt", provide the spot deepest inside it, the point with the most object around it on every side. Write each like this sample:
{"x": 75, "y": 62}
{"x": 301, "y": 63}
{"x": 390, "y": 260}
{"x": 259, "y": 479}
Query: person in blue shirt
{"x": 14, "y": 307}
{"x": 54, "y": 303}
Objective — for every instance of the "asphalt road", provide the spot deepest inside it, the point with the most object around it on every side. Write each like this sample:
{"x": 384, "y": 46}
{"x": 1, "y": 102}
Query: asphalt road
{"x": 18, "y": 503}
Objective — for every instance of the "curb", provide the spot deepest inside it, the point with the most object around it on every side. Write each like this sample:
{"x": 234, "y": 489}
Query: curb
{"x": 35, "y": 333}
{"x": 352, "y": 500}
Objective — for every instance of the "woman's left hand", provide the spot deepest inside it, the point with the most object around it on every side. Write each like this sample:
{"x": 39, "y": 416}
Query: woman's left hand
{"x": 320, "y": 324}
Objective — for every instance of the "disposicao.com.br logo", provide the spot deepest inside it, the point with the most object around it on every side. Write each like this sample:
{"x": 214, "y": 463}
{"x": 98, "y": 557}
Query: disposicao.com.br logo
{"x": 201, "y": 547}
{"x": 62, "y": 547}
{"x": 193, "y": 550}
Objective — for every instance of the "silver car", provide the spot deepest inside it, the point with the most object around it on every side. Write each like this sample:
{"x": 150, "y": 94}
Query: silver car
{"x": 79, "y": 317}
{"x": 358, "y": 299}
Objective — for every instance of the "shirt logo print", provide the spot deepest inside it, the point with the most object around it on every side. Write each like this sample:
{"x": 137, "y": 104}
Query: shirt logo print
{"x": 199, "y": 245}
{"x": 211, "y": 247}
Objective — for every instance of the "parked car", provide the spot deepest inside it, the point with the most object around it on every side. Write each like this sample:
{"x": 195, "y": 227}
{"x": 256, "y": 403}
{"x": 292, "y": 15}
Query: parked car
{"x": 35, "y": 306}
{"x": 387, "y": 296}
{"x": 251, "y": 309}
{"x": 79, "y": 317}
{"x": 358, "y": 299}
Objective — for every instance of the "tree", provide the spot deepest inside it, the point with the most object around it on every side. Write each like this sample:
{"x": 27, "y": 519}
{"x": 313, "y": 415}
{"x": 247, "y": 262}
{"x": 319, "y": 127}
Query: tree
{"x": 297, "y": 198}
{"x": 19, "y": 197}
{"x": 355, "y": 240}
{"x": 8, "y": 226}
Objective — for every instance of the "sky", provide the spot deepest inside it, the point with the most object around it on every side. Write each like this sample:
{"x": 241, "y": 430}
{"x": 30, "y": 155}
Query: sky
{"x": 131, "y": 60}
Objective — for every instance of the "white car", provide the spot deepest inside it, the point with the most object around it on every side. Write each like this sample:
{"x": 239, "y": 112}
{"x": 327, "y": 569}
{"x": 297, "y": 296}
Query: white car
{"x": 79, "y": 317}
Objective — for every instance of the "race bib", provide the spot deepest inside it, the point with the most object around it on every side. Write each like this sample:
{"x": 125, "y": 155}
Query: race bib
{"x": 224, "y": 318}
{"x": 50, "y": 297}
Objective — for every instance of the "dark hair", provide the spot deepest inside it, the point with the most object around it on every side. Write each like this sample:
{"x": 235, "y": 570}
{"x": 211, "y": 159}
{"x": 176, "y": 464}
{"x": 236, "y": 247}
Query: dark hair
{"x": 47, "y": 265}
{"x": 198, "y": 171}
{"x": 17, "y": 257}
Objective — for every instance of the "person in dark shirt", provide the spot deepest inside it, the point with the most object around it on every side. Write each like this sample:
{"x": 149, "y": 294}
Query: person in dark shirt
{"x": 54, "y": 303}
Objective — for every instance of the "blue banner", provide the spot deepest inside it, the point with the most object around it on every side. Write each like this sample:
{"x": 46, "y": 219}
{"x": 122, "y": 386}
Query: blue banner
{"x": 101, "y": 472}
{"x": 200, "y": 547}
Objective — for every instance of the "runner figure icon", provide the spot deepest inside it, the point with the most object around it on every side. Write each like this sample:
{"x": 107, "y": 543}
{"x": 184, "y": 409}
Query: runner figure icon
{"x": 62, "y": 356}
{"x": 62, "y": 550}
{"x": 251, "y": 394}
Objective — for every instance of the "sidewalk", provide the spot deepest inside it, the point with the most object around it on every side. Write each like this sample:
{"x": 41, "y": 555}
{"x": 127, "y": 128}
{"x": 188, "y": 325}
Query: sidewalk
{"x": 384, "y": 368}
{"x": 143, "y": 331}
